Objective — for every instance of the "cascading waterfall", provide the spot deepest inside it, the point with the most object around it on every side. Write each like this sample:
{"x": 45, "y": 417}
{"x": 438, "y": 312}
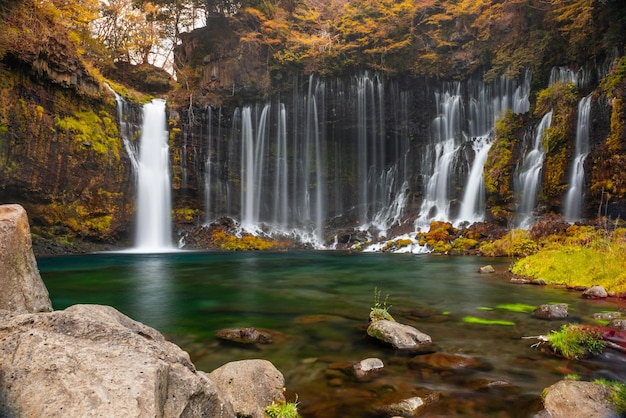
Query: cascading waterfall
{"x": 293, "y": 171}
{"x": 575, "y": 195}
{"x": 154, "y": 224}
{"x": 528, "y": 178}
{"x": 462, "y": 133}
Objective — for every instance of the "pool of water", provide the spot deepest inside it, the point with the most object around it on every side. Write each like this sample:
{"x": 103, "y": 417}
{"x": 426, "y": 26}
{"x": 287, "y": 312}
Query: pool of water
{"x": 317, "y": 304}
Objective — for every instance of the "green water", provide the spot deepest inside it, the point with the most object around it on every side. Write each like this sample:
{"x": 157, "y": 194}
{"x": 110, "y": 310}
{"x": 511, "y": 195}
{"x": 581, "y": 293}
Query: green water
{"x": 318, "y": 304}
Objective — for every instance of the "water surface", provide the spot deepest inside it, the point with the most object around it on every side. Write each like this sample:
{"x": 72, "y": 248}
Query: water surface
{"x": 319, "y": 302}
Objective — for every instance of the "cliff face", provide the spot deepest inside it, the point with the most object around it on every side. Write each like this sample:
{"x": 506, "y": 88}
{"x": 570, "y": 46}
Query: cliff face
{"x": 61, "y": 155}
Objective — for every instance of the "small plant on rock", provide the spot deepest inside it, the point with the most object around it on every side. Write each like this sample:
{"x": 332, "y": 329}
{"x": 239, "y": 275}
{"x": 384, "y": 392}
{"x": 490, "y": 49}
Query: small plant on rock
{"x": 380, "y": 310}
{"x": 282, "y": 410}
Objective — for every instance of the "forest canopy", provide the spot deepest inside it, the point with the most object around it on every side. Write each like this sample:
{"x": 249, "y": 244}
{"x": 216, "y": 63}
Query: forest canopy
{"x": 421, "y": 37}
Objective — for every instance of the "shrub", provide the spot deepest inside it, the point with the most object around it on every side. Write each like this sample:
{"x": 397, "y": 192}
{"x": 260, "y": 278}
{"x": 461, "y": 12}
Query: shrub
{"x": 576, "y": 341}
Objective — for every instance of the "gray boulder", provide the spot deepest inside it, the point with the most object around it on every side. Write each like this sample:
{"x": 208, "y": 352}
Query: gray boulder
{"x": 551, "y": 311}
{"x": 93, "y": 361}
{"x": 400, "y": 336}
{"x": 576, "y": 399}
{"x": 250, "y": 386}
{"x": 595, "y": 292}
{"x": 22, "y": 288}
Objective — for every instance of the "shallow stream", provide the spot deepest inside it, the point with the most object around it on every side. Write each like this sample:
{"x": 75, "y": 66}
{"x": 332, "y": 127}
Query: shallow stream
{"x": 319, "y": 302}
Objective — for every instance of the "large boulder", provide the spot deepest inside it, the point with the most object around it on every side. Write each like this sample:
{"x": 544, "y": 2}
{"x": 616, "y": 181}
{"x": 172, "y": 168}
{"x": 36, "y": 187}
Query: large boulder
{"x": 23, "y": 290}
{"x": 576, "y": 399}
{"x": 250, "y": 386}
{"x": 93, "y": 361}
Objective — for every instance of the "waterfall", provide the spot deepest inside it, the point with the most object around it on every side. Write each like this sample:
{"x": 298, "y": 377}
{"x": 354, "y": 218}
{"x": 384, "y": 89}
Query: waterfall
{"x": 574, "y": 197}
{"x": 473, "y": 204}
{"x": 528, "y": 178}
{"x": 461, "y": 138}
{"x": 447, "y": 136}
{"x": 154, "y": 227}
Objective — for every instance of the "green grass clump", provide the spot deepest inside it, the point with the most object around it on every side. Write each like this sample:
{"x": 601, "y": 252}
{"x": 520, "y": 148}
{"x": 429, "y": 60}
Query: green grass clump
{"x": 576, "y": 341}
{"x": 482, "y": 321}
{"x": 380, "y": 310}
{"x": 282, "y": 410}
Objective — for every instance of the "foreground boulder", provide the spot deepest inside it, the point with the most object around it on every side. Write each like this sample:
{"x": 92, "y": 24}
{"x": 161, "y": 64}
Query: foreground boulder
{"x": 250, "y": 386}
{"x": 576, "y": 399}
{"x": 400, "y": 336}
{"x": 22, "y": 288}
{"x": 93, "y": 361}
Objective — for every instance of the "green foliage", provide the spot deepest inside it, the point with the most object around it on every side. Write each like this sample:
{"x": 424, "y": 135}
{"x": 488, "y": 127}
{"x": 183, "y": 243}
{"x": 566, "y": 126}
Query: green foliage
{"x": 516, "y": 307}
{"x": 482, "y": 321}
{"x": 499, "y": 165}
{"x": 380, "y": 310}
{"x": 96, "y": 131}
{"x": 583, "y": 258}
{"x": 615, "y": 78}
{"x": 576, "y": 341}
{"x": 282, "y": 410}
{"x": 516, "y": 242}
{"x": 246, "y": 242}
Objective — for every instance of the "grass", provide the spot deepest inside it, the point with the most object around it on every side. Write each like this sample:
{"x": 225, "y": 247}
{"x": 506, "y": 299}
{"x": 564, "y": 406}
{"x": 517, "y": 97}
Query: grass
{"x": 597, "y": 261}
{"x": 380, "y": 310}
{"x": 282, "y": 410}
{"x": 576, "y": 341}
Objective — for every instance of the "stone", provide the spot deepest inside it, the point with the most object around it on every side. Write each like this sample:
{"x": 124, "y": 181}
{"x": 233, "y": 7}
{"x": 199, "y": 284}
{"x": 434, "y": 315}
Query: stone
{"x": 606, "y": 316}
{"x": 368, "y": 368}
{"x": 93, "y": 361}
{"x": 551, "y": 311}
{"x": 577, "y": 399}
{"x": 23, "y": 291}
{"x": 250, "y": 386}
{"x": 487, "y": 269}
{"x": 411, "y": 407}
{"x": 448, "y": 362}
{"x": 244, "y": 335}
{"x": 400, "y": 336}
{"x": 595, "y": 292}
{"x": 619, "y": 324}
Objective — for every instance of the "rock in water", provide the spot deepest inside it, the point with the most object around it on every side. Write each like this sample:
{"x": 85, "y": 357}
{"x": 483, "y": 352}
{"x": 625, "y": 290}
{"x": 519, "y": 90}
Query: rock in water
{"x": 250, "y": 386}
{"x": 22, "y": 288}
{"x": 575, "y": 399}
{"x": 551, "y": 311}
{"x": 93, "y": 361}
{"x": 400, "y": 336}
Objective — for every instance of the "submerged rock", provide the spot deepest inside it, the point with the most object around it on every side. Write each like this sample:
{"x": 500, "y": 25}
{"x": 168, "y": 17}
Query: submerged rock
{"x": 93, "y": 361}
{"x": 576, "y": 399}
{"x": 411, "y": 407}
{"x": 448, "y": 362}
{"x": 400, "y": 336}
{"x": 250, "y": 386}
{"x": 22, "y": 288}
{"x": 244, "y": 335}
{"x": 551, "y": 311}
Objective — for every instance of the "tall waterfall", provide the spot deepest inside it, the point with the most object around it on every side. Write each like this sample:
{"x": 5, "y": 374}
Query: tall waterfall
{"x": 154, "y": 224}
{"x": 327, "y": 159}
{"x": 461, "y": 139}
{"x": 527, "y": 180}
{"x": 575, "y": 194}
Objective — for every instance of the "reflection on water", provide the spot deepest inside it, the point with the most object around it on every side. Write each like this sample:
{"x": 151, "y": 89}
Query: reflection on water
{"x": 152, "y": 292}
{"x": 318, "y": 303}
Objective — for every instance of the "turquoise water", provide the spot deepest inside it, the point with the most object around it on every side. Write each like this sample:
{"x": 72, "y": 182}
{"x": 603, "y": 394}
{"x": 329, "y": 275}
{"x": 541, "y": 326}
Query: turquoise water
{"x": 317, "y": 304}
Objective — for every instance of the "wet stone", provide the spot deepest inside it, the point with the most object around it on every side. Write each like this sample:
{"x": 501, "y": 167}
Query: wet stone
{"x": 619, "y": 324}
{"x": 551, "y": 311}
{"x": 606, "y": 316}
{"x": 448, "y": 362}
{"x": 595, "y": 292}
{"x": 245, "y": 335}
{"x": 368, "y": 369}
